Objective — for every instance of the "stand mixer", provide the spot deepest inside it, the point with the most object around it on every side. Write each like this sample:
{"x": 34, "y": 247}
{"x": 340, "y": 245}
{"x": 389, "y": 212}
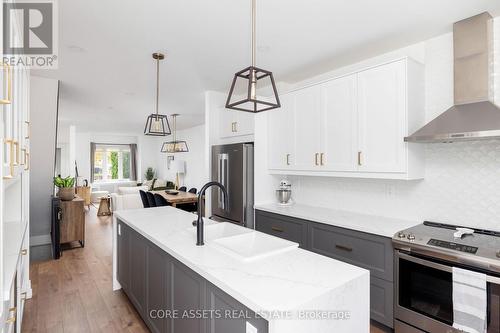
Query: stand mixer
{"x": 284, "y": 193}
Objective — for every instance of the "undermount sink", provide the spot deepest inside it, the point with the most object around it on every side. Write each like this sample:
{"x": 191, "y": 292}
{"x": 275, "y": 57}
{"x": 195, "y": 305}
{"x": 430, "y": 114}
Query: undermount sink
{"x": 221, "y": 230}
{"x": 253, "y": 245}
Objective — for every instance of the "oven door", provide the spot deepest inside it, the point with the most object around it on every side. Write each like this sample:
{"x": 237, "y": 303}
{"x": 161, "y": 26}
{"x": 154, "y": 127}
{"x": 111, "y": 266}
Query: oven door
{"x": 424, "y": 295}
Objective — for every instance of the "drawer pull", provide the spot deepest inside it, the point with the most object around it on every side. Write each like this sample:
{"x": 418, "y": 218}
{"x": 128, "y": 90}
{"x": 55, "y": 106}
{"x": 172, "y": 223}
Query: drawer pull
{"x": 278, "y": 229}
{"x": 24, "y": 252}
{"x": 344, "y": 248}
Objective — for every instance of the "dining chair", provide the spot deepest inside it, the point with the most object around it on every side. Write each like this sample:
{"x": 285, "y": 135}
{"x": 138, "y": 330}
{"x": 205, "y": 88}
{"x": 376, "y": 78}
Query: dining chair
{"x": 160, "y": 200}
{"x": 183, "y": 188}
{"x": 151, "y": 199}
{"x": 144, "y": 198}
{"x": 193, "y": 190}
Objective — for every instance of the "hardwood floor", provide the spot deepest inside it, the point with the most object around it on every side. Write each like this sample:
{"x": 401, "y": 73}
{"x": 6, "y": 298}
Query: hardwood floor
{"x": 74, "y": 294}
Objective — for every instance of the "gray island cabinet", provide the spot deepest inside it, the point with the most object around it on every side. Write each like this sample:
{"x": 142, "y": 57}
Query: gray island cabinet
{"x": 240, "y": 281}
{"x": 170, "y": 297}
{"x": 372, "y": 252}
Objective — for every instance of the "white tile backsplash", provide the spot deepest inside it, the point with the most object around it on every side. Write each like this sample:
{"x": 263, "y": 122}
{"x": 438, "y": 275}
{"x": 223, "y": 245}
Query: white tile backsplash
{"x": 462, "y": 182}
{"x": 461, "y": 186}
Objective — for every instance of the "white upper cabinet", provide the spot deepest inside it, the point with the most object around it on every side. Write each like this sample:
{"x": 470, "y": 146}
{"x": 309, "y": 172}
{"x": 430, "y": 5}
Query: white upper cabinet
{"x": 339, "y": 125}
{"x": 307, "y": 128}
{"x": 280, "y": 133}
{"x": 352, "y": 126}
{"x": 381, "y": 113}
{"x": 235, "y": 123}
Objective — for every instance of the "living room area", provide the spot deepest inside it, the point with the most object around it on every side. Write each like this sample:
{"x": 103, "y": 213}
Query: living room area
{"x": 118, "y": 165}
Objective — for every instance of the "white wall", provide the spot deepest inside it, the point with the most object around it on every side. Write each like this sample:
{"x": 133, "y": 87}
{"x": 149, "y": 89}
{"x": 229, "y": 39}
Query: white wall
{"x": 196, "y": 166}
{"x": 43, "y": 116}
{"x": 462, "y": 180}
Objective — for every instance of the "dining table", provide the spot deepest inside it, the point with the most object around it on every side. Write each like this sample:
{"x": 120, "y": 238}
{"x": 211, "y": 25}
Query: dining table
{"x": 179, "y": 198}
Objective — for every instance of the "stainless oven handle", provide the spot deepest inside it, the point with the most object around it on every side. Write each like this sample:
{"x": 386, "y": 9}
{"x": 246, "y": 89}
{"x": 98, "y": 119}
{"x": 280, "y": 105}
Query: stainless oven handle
{"x": 441, "y": 267}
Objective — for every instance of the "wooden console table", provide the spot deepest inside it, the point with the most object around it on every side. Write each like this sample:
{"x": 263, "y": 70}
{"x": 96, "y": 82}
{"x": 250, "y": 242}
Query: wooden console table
{"x": 72, "y": 223}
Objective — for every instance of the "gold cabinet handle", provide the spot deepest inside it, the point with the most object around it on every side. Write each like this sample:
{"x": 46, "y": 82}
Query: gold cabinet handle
{"x": 24, "y": 156}
{"x": 24, "y": 252}
{"x": 359, "y": 158}
{"x": 7, "y": 78}
{"x": 29, "y": 129}
{"x": 278, "y": 229}
{"x": 321, "y": 159}
{"x": 15, "y": 143}
{"x": 11, "y": 320}
{"x": 11, "y": 161}
{"x": 13, "y": 309}
{"x": 27, "y": 166}
{"x": 343, "y": 248}
{"x": 287, "y": 159}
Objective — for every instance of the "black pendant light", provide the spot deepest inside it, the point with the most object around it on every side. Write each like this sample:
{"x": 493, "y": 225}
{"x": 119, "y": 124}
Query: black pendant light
{"x": 157, "y": 124}
{"x": 250, "y": 79}
{"x": 175, "y": 146}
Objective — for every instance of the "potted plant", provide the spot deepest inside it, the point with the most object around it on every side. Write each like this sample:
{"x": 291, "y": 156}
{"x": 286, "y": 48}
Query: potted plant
{"x": 150, "y": 173}
{"x": 66, "y": 190}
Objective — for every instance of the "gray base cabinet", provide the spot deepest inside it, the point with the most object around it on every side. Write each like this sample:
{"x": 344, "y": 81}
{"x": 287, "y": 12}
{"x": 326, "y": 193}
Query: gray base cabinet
{"x": 372, "y": 252}
{"x": 170, "y": 297}
{"x": 286, "y": 227}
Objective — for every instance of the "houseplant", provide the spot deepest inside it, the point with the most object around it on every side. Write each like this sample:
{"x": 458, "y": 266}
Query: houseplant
{"x": 66, "y": 190}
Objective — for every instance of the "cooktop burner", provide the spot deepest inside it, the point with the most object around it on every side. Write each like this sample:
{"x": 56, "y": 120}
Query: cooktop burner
{"x": 481, "y": 248}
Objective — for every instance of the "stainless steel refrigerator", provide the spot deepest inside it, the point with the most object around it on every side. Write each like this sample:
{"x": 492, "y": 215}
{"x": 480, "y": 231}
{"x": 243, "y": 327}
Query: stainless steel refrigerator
{"x": 232, "y": 166}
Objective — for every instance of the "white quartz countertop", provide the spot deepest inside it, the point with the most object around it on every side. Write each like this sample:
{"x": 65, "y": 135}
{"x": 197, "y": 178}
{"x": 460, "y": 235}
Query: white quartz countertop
{"x": 377, "y": 225}
{"x": 294, "y": 280}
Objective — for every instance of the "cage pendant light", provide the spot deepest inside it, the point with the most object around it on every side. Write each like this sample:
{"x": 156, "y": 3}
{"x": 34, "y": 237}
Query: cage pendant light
{"x": 243, "y": 94}
{"x": 157, "y": 124}
{"x": 175, "y": 146}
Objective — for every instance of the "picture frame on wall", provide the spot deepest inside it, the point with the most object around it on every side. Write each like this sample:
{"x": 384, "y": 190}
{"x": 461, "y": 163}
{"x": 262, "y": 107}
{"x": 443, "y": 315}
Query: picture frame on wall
{"x": 170, "y": 158}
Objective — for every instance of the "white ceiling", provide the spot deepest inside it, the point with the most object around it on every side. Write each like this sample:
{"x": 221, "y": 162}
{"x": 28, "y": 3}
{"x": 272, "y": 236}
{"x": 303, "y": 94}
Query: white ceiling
{"x": 108, "y": 75}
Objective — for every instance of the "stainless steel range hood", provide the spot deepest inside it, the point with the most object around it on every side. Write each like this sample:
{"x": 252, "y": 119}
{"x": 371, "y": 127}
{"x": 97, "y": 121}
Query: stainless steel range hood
{"x": 474, "y": 116}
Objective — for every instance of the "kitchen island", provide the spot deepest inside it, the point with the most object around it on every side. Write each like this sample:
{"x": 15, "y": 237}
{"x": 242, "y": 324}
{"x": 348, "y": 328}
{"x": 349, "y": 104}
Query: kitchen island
{"x": 177, "y": 286}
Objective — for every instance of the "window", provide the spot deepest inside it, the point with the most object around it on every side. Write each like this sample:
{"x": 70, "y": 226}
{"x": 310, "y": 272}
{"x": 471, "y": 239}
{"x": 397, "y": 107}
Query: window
{"x": 112, "y": 162}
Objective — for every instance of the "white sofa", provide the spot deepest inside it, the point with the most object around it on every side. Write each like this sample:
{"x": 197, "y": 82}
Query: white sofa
{"x": 125, "y": 201}
{"x": 127, "y": 197}
{"x": 112, "y": 187}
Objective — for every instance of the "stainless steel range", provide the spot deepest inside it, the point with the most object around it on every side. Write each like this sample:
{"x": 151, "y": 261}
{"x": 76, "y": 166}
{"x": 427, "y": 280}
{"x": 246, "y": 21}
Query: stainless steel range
{"x": 424, "y": 258}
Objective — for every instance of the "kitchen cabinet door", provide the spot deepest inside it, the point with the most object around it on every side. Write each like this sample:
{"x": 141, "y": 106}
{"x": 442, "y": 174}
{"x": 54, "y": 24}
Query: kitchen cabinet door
{"x": 227, "y": 118}
{"x": 235, "y": 123}
{"x": 123, "y": 250}
{"x": 187, "y": 294}
{"x": 244, "y": 123}
{"x": 307, "y": 129}
{"x": 280, "y": 132}
{"x": 219, "y": 301}
{"x": 339, "y": 124}
{"x": 158, "y": 265}
{"x": 137, "y": 288}
{"x": 382, "y": 109}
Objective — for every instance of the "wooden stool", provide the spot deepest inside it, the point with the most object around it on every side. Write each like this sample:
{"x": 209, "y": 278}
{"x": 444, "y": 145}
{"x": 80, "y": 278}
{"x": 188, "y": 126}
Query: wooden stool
{"x": 104, "y": 204}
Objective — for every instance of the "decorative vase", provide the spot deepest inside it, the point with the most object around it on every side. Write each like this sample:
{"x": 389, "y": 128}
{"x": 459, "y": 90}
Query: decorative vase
{"x": 66, "y": 193}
